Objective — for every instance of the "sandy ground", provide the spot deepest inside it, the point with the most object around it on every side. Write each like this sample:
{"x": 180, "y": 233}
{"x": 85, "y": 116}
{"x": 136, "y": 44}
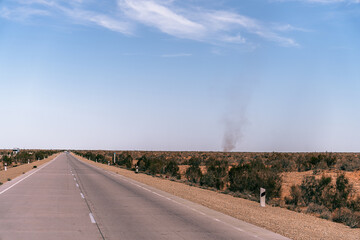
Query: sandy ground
{"x": 14, "y": 172}
{"x": 296, "y": 178}
{"x": 287, "y": 223}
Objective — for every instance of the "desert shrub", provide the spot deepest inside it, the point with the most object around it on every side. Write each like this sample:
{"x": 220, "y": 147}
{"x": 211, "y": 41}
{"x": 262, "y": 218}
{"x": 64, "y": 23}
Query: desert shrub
{"x": 317, "y": 209}
{"x": 100, "y": 158}
{"x": 43, "y": 154}
{"x": 143, "y": 163}
{"x": 343, "y": 190}
{"x": 153, "y": 164}
{"x": 344, "y": 215}
{"x": 254, "y": 175}
{"x": 1, "y": 183}
{"x": 326, "y": 215}
{"x": 34, "y": 166}
{"x": 23, "y": 156}
{"x": 283, "y": 165}
{"x": 354, "y": 204}
{"x": 156, "y": 166}
{"x": 313, "y": 190}
{"x": 323, "y": 192}
{"x": 128, "y": 161}
{"x": 193, "y": 173}
{"x": 172, "y": 168}
{"x": 90, "y": 156}
{"x": 313, "y": 161}
{"x": 6, "y": 159}
{"x": 349, "y": 163}
{"x": 194, "y": 161}
{"x": 216, "y": 173}
{"x": 296, "y": 197}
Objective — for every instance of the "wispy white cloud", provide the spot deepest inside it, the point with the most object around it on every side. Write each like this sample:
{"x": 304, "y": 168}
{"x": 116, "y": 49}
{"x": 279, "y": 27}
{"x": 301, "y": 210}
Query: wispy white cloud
{"x": 176, "y": 55}
{"x": 102, "y": 20}
{"x": 21, "y": 13}
{"x": 154, "y": 14}
{"x": 191, "y": 22}
{"x": 321, "y": 1}
{"x": 198, "y": 23}
{"x": 288, "y": 27}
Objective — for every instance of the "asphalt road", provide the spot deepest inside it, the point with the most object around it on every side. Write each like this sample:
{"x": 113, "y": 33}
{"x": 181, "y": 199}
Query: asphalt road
{"x": 70, "y": 199}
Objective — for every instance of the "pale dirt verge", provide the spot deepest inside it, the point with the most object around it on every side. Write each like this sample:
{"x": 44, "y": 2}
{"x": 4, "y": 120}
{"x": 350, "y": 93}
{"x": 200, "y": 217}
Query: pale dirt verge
{"x": 285, "y": 222}
{"x": 14, "y": 172}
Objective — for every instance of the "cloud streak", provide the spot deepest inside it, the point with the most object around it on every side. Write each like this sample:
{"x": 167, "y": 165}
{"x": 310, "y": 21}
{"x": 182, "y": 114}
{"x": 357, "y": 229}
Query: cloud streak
{"x": 191, "y": 22}
{"x": 321, "y": 1}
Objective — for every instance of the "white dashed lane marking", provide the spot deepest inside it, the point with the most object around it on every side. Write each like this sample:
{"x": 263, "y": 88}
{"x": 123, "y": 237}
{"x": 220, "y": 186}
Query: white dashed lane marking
{"x": 92, "y": 219}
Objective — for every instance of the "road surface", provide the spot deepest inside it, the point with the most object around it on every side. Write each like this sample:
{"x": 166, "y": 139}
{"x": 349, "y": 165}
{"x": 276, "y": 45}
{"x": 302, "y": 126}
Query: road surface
{"x": 70, "y": 199}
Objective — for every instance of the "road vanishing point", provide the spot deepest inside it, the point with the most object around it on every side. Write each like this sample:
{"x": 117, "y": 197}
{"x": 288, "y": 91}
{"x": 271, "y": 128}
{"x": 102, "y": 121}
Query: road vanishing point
{"x": 67, "y": 198}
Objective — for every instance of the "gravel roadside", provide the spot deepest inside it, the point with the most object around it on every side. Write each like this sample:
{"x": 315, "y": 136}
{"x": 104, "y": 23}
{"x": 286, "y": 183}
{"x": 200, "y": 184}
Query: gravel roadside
{"x": 285, "y": 222}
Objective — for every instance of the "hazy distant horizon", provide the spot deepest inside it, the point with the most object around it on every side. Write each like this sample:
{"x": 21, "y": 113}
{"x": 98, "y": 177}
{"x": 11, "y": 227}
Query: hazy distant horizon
{"x": 245, "y": 76}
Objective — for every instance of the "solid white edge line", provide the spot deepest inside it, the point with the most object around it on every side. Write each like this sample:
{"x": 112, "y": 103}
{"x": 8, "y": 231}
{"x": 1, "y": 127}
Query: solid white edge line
{"x": 3, "y": 191}
{"x": 82, "y": 195}
{"x": 77, "y": 185}
{"x": 92, "y": 219}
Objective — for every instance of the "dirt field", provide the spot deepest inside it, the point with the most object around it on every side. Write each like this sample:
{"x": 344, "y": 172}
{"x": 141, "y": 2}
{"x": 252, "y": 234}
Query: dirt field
{"x": 13, "y": 172}
{"x": 287, "y": 223}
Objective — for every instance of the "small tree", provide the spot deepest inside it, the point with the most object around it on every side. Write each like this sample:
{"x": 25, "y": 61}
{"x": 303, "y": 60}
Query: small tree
{"x": 128, "y": 161}
{"x": 216, "y": 174}
{"x": 254, "y": 175}
{"x": 193, "y": 173}
{"x": 172, "y": 168}
{"x": 7, "y": 160}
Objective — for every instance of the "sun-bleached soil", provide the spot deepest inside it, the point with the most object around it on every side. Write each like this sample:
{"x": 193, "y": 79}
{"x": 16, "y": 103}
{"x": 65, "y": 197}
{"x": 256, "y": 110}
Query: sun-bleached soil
{"x": 285, "y": 222}
{"x": 13, "y": 172}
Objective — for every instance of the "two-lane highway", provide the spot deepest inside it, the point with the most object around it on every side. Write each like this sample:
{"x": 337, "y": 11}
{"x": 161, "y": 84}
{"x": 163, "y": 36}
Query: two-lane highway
{"x": 70, "y": 199}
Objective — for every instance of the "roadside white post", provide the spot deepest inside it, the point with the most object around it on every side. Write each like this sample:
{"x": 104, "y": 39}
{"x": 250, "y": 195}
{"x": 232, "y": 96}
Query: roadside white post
{"x": 108, "y": 163}
{"x": 262, "y": 197}
{"x": 5, "y": 166}
{"x": 137, "y": 169}
{"x": 28, "y": 161}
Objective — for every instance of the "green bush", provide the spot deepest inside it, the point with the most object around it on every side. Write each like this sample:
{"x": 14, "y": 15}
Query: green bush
{"x": 6, "y": 159}
{"x": 317, "y": 191}
{"x": 154, "y": 164}
{"x": 343, "y": 190}
{"x": 216, "y": 173}
{"x": 254, "y": 175}
{"x": 193, "y": 173}
{"x": 323, "y": 192}
{"x": 172, "y": 168}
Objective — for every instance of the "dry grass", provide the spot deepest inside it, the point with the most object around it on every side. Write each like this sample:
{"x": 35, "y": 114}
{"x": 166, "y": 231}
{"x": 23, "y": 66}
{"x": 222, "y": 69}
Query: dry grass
{"x": 287, "y": 223}
{"x": 14, "y": 172}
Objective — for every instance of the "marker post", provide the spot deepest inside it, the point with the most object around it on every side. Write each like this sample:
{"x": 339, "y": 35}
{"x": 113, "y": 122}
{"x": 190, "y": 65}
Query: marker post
{"x": 262, "y": 197}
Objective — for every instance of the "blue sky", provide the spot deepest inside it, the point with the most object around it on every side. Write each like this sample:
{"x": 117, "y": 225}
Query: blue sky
{"x": 259, "y": 75}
